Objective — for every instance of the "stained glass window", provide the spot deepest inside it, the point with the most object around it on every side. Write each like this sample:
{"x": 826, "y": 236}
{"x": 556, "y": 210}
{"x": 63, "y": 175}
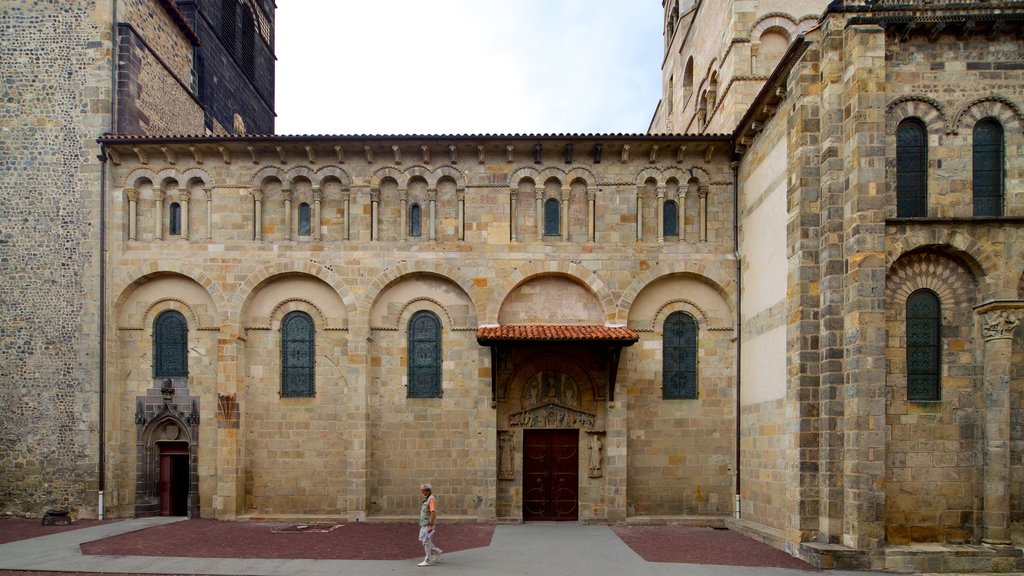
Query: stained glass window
{"x": 988, "y": 168}
{"x": 552, "y": 216}
{"x": 297, "y": 355}
{"x": 911, "y": 169}
{"x": 424, "y": 355}
{"x": 170, "y": 345}
{"x": 923, "y": 346}
{"x": 679, "y": 357}
{"x": 670, "y": 215}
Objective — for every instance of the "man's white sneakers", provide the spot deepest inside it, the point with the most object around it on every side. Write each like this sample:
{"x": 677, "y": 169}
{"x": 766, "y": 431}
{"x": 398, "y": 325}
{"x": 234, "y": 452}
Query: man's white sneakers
{"x": 424, "y": 563}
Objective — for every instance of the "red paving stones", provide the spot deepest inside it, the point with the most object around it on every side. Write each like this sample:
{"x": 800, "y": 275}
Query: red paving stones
{"x": 685, "y": 545}
{"x": 222, "y": 539}
{"x": 12, "y": 529}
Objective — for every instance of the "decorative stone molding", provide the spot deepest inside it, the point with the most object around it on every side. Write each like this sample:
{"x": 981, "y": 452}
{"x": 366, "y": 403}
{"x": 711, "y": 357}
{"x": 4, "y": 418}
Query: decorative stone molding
{"x": 1000, "y": 324}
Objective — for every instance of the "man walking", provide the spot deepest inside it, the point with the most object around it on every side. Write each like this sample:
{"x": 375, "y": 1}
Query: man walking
{"x": 428, "y": 514}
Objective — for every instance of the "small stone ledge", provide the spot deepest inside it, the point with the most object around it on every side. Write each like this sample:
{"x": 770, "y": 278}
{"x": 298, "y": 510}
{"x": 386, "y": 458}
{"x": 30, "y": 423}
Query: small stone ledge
{"x": 694, "y": 521}
{"x": 836, "y": 557}
{"x": 928, "y": 557}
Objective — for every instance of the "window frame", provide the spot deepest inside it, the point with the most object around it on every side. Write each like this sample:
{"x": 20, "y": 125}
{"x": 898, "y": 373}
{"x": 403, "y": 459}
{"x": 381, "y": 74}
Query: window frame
{"x": 666, "y": 220}
{"x": 992, "y": 192}
{"x": 305, "y": 219}
{"x": 424, "y": 346}
{"x": 170, "y": 350}
{"x": 174, "y": 219}
{"x": 911, "y": 184}
{"x": 924, "y": 383}
{"x": 679, "y": 357}
{"x": 415, "y": 220}
{"x": 294, "y": 366}
{"x": 552, "y": 218}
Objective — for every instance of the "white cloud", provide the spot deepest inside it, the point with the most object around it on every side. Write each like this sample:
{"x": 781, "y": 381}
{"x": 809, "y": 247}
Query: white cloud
{"x": 464, "y": 66}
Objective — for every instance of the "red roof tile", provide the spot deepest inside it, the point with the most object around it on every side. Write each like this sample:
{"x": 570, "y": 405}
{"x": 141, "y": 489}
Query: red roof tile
{"x": 555, "y": 333}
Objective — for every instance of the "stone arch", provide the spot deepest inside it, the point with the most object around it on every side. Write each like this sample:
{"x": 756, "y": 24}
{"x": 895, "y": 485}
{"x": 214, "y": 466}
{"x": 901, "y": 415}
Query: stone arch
{"x": 267, "y": 173}
{"x": 774, "y": 20}
{"x": 123, "y": 284}
{"x": 972, "y": 254}
{"x": 696, "y": 270}
{"x": 165, "y": 303}
{"x": 928, "y": 109}
{"x": 297, "y": 172}
{"x": 1002, "y": 109}
{"x": 932, "y": 268}
{"x": 680, "y": 176}
{"x": 572, "y": 270}
{"x": 554, "y": 362}
{"x": 132, "y": 179}
{"x": 806, "y": 22}
{"x": 699, "y": 313}
{"x": 287, "y": 305}
{"x": 384, "y": 173}
{"x": 328, "y": 173}
{"x": 418, "y": 171}
{"x": 197, "y": 174}
{"x": 646, "y": 174}
{"x": 700, "y": 174}
{"x": 247, "y": 289}
{"x": 424, "y": 303}
{"x": 552, "y": 173}
{"x": 409, "y": 268}
{"x": 521, "y": 173}
{"x": 581, "y": 173}
{"x": 455, "y": 174}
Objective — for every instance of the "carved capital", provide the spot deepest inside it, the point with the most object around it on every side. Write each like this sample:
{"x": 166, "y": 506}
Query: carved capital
{"x": 257, "y": 194}
{"x": 132, "y": 194}
{"x": 1000, "y": 324}
{"x": 703, "y": 192}
{"x": 318, "y": 194}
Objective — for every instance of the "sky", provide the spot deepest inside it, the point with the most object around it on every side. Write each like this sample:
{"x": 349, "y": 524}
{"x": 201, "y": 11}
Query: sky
{"x": 467, "y": 66}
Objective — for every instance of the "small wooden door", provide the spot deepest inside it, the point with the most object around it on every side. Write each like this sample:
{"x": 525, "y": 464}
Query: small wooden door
{"x": 174, "y": 478}
{"x": 551, "y": 474}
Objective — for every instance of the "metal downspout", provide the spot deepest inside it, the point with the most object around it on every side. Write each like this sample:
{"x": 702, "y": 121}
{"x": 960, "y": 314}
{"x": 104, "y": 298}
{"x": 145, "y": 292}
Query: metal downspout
{"x": 738, "y": 321}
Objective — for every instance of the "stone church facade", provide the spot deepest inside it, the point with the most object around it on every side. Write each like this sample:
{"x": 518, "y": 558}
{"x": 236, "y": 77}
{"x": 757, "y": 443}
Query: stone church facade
{"x": 791, "y": 308}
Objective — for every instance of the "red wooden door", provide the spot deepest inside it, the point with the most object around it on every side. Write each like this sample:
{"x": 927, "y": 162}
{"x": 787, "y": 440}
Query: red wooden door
{"x": 551, "y": 474}
{"x": 174, "y": 478}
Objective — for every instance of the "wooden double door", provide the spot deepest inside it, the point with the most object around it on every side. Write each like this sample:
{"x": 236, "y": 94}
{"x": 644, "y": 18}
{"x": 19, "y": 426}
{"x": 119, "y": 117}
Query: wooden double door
{"x": 551, "y": 464}
{"x": 174, "y": 478}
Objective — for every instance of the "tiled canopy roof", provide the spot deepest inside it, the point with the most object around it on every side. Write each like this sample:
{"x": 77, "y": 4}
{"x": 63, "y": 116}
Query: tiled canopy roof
{"x": 556, "y": 333}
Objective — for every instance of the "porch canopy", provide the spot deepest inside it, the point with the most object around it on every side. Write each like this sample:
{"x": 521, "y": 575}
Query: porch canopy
{"x": 611, "y": 338}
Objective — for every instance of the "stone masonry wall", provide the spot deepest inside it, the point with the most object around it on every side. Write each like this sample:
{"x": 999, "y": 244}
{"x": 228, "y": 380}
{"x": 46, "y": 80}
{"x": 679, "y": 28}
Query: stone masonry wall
{"x": 55, "y": 102}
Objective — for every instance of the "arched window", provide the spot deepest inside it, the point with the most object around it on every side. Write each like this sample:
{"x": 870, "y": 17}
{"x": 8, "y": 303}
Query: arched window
{"x": 679, "y": 357}
{"x": 670, "y": 218}
{"x": 228, "y": 24}
{"x": 911, "y": 169}
{"x": 988, "y": 168}
{"x": 552, "y": 217}
{"x": 170, "y": 345}
{"x": 298, "y": 339}
{"x": 415, "y": 220}
{"x": 424, "y": 355}
{"x": 304, "y": 219}
{"x": 688, "y": 79}
{"x": 174, "y": 224}
{"x": 923, "y": 346}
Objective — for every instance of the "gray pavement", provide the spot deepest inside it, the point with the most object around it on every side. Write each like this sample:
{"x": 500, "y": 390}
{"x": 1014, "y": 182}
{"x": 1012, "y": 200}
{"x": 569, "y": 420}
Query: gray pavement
{"x": 527, "y": 549}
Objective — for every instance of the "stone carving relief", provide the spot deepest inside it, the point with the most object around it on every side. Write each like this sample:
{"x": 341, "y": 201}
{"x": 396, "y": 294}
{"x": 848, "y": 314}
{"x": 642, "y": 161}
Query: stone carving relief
{"x": 552, "y": 400}
{"x": 595, "y": 445}
{"x": 506, "y": 456}
{"x": 1000, "y": 324}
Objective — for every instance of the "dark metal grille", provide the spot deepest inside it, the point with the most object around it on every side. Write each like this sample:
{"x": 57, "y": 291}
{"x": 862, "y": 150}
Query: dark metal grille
{"x": 175, "y": 219}
{"x": 297, "y": 356}
{"x": 988, "y": 168}
{"x": 304, "y": 219}
{"x": 170, "y": 345}
{"x": 911, "y": 169}
{"x": 923, "y": 346}
{"x": 671, "y": 219}
{"x": 552, "y": 216}
{"x": 424, "y": 355}
{"x": 679, "y": 357}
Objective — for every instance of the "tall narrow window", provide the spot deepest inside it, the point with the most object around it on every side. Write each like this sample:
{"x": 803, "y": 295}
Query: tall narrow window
{"x": 415, "y": 220}
{"x": 304, "y": 219}
{"x": 297, "y": 356}
{"x": 228, "y": 24}
{"x": 247, "y": 41}
{"x": 911, "y": 169}
{"x": 424, "y": 355}
{"x": 679, "y": 357}
{"x": 670, "y": 218}
{"x": 174, "y": 224}
{"x": 552, "y": 218}
{"x": 988, "y": 168}
{"x": 170, "y": 345}
{"x": 923, "y": 346}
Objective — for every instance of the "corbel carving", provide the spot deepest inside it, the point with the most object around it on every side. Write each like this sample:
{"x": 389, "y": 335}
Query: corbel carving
{"x": 453, "y": 155}
{"x": 310, "y": 155}
{"x": 654, "y": 154}
{"x": 255, "y": 155}
{"x": 598, "y": 149}
{"x": 625, "y": 154}
{"x": 397, "y": 153}
{"x": 426, "y": 153}
{"x": 168, "y": 155}
{"x": 339, "y": 153}
{"x": 568, "y": 153}
{"x": 142, "y": 155}
{"x": 510, "y": 153}
{"x": 224, "y": 154}
{"x": 679, "y": 154}
{"x": 368, "y": 152}
{"x": 480, "y": 154}
{"x": 196, "y": 154}
{"x": 281, "y": 154}
{"x": 709, "y": 153}
{"x": 115, "y": 157}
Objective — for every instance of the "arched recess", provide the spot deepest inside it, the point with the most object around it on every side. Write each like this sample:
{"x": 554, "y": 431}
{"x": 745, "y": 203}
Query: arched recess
{"x": 573, "y": 272}
{"x": 964, "y": 249}
{"x": 705, "y": 297}
{"x": 551, "y": 299}
{"x": 916, "y": 453}
{"x": 703, "y": 273}
{"x": 770, "y": 37}
{"x": 301, "y": 172}
{"x": 409, "y": 269}
{"x": 928, "y": 109}
{"x": 340, "y": 313}
{"x": 1006, "y": 111}
{"x": 137, "y": 291}
{"x": 394, "y": 303}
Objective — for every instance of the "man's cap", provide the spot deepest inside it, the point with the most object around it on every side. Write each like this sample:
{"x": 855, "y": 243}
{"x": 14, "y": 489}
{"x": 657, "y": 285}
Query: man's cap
{"x": 426, "y": 487}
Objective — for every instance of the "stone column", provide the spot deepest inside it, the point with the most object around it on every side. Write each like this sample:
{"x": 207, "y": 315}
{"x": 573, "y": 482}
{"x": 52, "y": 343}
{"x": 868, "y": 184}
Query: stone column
{"x": 209, "y": 213}
{"x": 133, "y": 212}
{"x": 374, "y": 209}
{"x": 661, "y": 212}
{"x": 640, "y": 213}
{"x": 681, "y": 215}
{"x": 403, "y": 217}
{"x": 315, "y": 224}
{"x": 998, "y": 325}
{"x": 540, "y": 213}
{"x": 513, "y": 211}
{"x": 563, "y": 210}
{"x": 591, "y": 217}
{"x": 257, "y": 220}
{"x": 287, "y": 195}
{"x": 158, "y": 210}
{"x": 432, "y": 217}
{"x": 346, "y": 199}
{"x": 185, "y": 196}
{"x": 703, "y": 215}
{"x": 462, "y": 213}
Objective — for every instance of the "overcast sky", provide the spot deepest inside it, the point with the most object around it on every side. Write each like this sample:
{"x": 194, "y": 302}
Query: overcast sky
{"x": 467, "y": 66}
